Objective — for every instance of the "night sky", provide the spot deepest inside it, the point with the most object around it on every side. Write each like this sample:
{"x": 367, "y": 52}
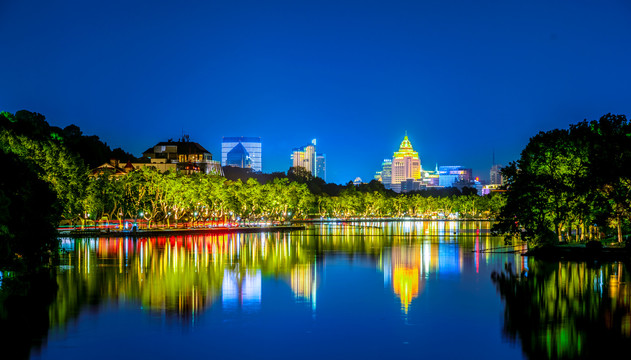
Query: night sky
{"x": 464, "y": 78}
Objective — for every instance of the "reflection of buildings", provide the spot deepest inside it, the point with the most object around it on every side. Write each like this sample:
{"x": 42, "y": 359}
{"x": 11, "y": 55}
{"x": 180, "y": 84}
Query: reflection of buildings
{"x": 304, "y": 283}
{"x": 251, "y": 150}
{"x": 185, "y": 275}
{"x": 407, "y": 267}
{"x": 402, "y": 268}
{"x": 241, "y": 289}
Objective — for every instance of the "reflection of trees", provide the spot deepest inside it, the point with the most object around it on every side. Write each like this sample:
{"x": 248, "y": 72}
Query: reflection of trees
{"x": 563, "y": 310}
{"x": 185, "y": 275}
{"x": 179, "y": 275}
{"x": 24, "y": 321}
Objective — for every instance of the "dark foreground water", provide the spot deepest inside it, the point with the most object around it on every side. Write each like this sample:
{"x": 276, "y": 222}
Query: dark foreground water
{"x": 371, "y": 290}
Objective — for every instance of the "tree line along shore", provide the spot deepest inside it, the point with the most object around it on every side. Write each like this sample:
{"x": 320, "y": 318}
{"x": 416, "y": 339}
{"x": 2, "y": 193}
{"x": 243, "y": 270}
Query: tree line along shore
{"x": 568, "y": 185}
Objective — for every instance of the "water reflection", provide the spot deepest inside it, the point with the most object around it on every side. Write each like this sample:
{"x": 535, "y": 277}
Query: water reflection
{"x": 184, "y": 275}
{"x": 568, "y": 309}
{"x": 427, "y": 270}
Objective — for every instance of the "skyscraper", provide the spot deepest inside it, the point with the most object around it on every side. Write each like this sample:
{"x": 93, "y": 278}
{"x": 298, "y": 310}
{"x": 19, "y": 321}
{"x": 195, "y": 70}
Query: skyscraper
{"x": 239, "y": 157}
{"x": 305, "y": 157}
{"x": 496, "y": 175}
{"x": 321, "y": 166}
{"x": 448, "y": 175}
{"x": 405, "y": 165}
{"x": 386, "y": 173}
{"x": 252, "y": 146}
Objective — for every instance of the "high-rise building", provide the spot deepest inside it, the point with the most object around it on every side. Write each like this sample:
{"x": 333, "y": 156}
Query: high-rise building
{"x": 386, "y": 173}
{"x": 405, "y": 165}
{"x": 239, "y": 157}
{"x": 321, "y": 166}
{"x": 305, "y": 157}
{"x": 496, "y": 175}
{"x": 252, "y": 146}
{"x": 448, "y": 175}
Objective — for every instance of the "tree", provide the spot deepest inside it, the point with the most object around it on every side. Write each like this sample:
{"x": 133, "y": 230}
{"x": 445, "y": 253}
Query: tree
{"x": 27, "y": 214}
{"x": 567, "y": 178}
{"x": 29, "y": 137}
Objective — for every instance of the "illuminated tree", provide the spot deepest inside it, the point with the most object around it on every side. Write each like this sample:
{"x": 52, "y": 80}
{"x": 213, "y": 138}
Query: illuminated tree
{"x": 568, "y": 178}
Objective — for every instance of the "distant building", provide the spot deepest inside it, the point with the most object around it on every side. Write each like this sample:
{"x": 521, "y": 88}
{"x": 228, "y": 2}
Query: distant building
{"x": 496, "y": 175}
{"x": 183, "y": 155}
{"x": 305, "y": 157}
{"x": 112, "y": 169}
{"x": 473, "y": 184}
{"x": 239, "y": 157}
{"x": 405, "y": 165}
{"x": 448, "y": 175}
{"x": 411, "y": 185}
{"x": 491, "y": 189}
{"x": 321, "y": 166}
{"x": 357, "y": 181}
{"x": 386, "y": 173}
{"x": 431, "y": 177}
{"x": 252, "y": 146}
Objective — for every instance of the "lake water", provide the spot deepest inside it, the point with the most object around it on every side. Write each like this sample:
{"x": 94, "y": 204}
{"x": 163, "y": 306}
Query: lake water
{"x": 338, "y": 290}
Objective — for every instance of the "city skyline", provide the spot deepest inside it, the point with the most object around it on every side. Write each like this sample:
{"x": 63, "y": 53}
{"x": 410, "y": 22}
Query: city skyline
{"x": 464, "y": 79}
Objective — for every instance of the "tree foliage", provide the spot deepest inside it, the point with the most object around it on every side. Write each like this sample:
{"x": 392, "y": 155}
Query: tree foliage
{"x": 569, "y": 182}
{"x": 27, "y": 213}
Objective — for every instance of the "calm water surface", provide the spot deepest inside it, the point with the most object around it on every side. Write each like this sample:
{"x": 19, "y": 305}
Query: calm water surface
{"x": 369, "y": 290}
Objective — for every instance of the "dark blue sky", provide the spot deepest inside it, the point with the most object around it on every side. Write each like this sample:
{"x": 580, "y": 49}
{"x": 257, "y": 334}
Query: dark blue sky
{"x": 464, "y": 78}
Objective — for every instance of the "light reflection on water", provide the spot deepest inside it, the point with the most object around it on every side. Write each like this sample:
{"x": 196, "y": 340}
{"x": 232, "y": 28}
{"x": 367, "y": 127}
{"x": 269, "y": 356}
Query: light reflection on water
{"x": 367, "y": 290}
{"x": 186, "y": 274}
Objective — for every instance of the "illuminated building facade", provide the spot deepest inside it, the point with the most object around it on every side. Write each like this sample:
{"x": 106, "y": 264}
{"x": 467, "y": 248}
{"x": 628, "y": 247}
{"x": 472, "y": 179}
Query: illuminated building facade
{"x": 184, "y": 155}
{"x": 449, "y": 175}
{"x": 496, "y": 175}
{"x": 385, "y": 175}
{"x": 252, "y": 146}
{"x": 112, "y": 169}
{"x": 431, "y": 178}
{"x": 321, "y": 166}
{"x": 405, "y": 165}
{"x": 239, "y": 157}
{"x": 305, "y": 157}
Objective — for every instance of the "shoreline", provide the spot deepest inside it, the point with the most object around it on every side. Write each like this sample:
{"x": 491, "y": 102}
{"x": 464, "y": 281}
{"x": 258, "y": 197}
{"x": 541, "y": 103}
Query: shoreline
{"x": 169, "y": 232}
{"x": 295, "y": 225}
{"x": 580, "y": 253}
{"x": 331, "y": 220}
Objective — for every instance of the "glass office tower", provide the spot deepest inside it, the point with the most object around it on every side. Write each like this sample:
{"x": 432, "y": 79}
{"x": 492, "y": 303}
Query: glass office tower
{"x": 251, "y": 144}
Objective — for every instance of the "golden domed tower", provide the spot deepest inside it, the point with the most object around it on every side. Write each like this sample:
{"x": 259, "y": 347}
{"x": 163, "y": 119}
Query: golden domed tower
{"x": 405, "y": 164}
